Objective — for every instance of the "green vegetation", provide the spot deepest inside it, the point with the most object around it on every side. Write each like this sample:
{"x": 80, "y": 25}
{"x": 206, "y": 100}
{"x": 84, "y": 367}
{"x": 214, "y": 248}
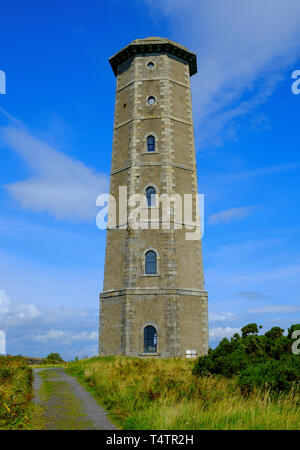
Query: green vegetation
{"x": 53, "y": 358}
{"x": 265, "y": 362}
{"x": 48, "y": 366}
{"x": 15, "y": 393}
{"x": 249, "y": 382}
{"x": 164, "y": 394}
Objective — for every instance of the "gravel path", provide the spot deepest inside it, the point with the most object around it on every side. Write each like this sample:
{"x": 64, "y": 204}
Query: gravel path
{"x": 61, "y": 403}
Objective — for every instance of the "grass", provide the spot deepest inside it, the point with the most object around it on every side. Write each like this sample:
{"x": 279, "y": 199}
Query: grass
{"x": 15, "y": 393}
{"x": 163, "y": 394}
{"x": 47, "y": 366}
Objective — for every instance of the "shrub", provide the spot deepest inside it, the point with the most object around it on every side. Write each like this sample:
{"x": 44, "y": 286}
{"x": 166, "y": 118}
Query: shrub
{"x": 54, "y": 358}
{"x": 275, "y": 375}
{"x": 15, "y": 392}
{"x": 263, "y": 361}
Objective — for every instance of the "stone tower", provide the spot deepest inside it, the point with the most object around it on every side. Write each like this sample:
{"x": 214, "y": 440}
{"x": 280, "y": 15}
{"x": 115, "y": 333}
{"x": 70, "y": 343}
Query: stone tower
{"x": 153, "y": 300}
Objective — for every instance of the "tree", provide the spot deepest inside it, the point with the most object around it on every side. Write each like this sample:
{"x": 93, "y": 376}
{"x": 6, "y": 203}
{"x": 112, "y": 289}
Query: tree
{"x": 263, "y": 361}
{"x": 54, "y": 357}
{"x": 251, "y": 328}
{"x": 274, "y": 333}
{"x": 292, "y": 329}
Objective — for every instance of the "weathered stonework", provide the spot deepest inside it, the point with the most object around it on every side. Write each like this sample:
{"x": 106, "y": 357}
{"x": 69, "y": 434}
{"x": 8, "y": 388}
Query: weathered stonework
{"x": 173, "y": 300}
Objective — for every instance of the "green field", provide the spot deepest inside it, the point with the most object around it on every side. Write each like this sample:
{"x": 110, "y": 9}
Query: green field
{"x": 163, "y": 394}
{"x": 15, "y": 393}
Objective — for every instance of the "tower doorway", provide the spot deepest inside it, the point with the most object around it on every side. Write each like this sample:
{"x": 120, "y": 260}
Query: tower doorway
{"x": 150, "y": 339}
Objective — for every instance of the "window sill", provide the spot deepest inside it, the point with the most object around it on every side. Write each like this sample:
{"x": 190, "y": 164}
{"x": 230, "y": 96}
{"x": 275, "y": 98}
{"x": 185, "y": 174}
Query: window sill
{"x": 150, "y": 275}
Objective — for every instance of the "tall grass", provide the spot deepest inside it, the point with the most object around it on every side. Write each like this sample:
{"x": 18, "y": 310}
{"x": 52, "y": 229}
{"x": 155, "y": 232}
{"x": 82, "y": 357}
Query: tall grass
{"x": 15, "y": 392}
{"x": 164, "y": 394}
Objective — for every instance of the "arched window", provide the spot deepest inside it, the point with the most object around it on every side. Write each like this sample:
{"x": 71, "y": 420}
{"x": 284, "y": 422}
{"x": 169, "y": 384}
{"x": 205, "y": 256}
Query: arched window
{"x": 150, "y": 263}
{"x": 150, "y": 144}
{"x": 150, "y": 339}
{"x": 151, "y": 100}
{"x": 150, "y": 65}
{"x": 150, "y": 195}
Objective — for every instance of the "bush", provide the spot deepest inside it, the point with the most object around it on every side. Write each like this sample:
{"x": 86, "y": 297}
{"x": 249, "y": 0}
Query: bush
{"x": 54, "y": 358}
{"x": 15, "y": 392}
{"x": 264, "y": 361}
{"x": 275, "y": 375}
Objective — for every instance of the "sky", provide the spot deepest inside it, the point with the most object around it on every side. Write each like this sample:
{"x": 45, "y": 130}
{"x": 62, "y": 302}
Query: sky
{"x": 56, "y": 123}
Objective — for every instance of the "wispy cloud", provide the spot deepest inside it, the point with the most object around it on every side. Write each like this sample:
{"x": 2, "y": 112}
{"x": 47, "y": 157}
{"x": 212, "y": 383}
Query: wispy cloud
{"x": 250, "y": 295}
{"x": 68, "y": 337}
{"x": 219, "y": 186}
{"x": 14, "y": 314}
{"x": 67, "y": 330}
{"x": 250, "y": 276}
{"x": 230, "y": 215}
{"x": 281, "y": 309}
{"x": 63, "y": 187}
{"x": 221, "y": 317}
{"x": 242, "y": 47}
{"x": 262, "y": 171}
{"x": 218, "y": 333}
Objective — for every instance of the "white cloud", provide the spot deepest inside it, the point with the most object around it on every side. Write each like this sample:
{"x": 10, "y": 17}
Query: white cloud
{"x": 37, "y": 331}
{"x": 2, "y": 343}
{"x": 261, "y": 171}
{"x": 221, "y": 317}
{"x": 16, "y": 313}
{"x": 232, "y": 274}
{"x": 250, "y": 295}
{"x": 283, "y": 309}
{"x": 220, "y": 333}
{"x": 59, "y": 185}
{"x": 229, "y": 215}
{"x": 242, "y": 47}
{"x": 67, "y": 337}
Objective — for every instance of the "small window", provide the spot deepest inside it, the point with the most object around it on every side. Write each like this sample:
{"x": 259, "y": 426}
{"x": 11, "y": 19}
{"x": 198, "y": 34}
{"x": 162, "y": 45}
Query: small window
{"x": 151, "y": 144}
{"x": 151, "y": 100}
{"x": 191, "y": 354}
{"x": 150, "y": 339}
{"x": 150, "y": 263}
{"x": 150, "y": 195}
{"x": 150, "y": 65}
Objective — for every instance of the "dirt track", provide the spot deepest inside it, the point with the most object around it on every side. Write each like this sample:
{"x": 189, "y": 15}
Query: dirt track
{"x": 61, "y": 403}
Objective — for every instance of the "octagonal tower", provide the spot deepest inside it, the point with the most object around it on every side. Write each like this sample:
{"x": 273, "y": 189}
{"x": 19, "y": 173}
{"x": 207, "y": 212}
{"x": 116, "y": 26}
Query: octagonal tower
{"x": 153, "y": 301}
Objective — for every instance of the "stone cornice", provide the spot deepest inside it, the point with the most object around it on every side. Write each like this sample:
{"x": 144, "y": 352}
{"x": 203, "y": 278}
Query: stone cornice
{"x": 152, "y": 291}
{"x": 152, "y": 46}
{"x": 154, "y": 164}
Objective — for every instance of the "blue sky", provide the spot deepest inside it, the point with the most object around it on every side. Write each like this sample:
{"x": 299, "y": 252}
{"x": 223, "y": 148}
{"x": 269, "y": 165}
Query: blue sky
{"x": 56, "y": 122}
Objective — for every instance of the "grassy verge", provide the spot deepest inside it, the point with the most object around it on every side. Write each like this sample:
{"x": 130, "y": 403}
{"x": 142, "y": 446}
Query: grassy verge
{"x": 15, "y": 393}
{"x": 163, "y": 394}
{"x": 47, "y": 366}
